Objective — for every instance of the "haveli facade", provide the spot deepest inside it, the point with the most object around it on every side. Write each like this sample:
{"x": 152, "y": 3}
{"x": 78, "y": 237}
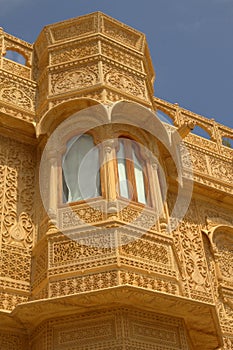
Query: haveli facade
{"x": 135, "y": 279}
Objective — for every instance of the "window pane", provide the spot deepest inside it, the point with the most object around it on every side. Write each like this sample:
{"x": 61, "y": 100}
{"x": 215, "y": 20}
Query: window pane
{"x": 121, "y": 163}
{"x": 139, "y": 179}
{"x": 81, "y": 178}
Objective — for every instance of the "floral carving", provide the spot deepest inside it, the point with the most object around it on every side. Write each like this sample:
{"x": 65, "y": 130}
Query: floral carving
{"x": 199, "y": 162}
{"x": 74, "y": 53}
{"x": 82, "y": 284}
{"x": 8, "y": 301}
{"x": 68, "y": 251}
{"x": 17, "y": 97}
{"x": 125, "y": 83}
{"x": 71, "y": 30}
{"x": 72, "y": 80}
{"x": 221, "y": 170}
{"x": 121, "y": 55}
{"x": 123, "y": 35}
{"x": 146, "y": 250}
{"x": 123, "y": 250}
{"x": 17, "y": 171}
{"x": 226, "y": 260}
{"x": 190, "y": 248}
{"x": 18, "y": 69}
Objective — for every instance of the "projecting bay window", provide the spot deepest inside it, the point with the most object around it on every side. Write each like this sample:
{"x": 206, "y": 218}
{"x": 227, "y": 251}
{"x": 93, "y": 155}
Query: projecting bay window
{"x": 115, "y": 169}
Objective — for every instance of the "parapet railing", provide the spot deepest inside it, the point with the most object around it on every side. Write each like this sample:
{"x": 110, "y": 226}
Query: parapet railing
{"x": 217, "y": 132}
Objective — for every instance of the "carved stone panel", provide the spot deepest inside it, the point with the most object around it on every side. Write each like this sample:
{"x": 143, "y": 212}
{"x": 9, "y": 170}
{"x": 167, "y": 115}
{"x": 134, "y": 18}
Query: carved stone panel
{"x": 75, "y": 79}
{"x": 18, "y": 92}
{"x": 114, "y": 330}
{"x": 17, "y": 227}
{"x": 73, "y": 29}
{"x": 127, "y": 82}
{"x": 124, "y": 35}
{"x": 13, "y": 341}
{"x": 75, "y": 51}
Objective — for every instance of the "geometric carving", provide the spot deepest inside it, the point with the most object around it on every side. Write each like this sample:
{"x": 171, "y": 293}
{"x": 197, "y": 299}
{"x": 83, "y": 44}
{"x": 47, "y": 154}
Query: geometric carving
{"x": 82, "y": 334}
{"x": 228, "y": 343}
{"x": 81, "y": 215}
{"x": 8, "y": 301}
{"x": 16, "y": 265}
{"x": 142, "y": 331}
{"x": 91, "y": 282}
{"x": 11, "y": 341}
{"x": 119, "y": 328}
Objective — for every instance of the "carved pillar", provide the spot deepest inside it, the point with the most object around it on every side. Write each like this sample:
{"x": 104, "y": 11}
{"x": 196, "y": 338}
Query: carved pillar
{"x": 156, "y": 192}
{"x": 53, "y": 188}
{"x": 216, "y": 260}
{"x": 109, "y": 178}
{"x": 217, "y": 137}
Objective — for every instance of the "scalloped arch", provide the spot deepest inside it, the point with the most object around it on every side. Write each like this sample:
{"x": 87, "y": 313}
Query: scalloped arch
{"x": 140, "y": 117}
{"x": 56, "y": 115}
{"x": 217, "y": 230}
{"x": 20, "y": 52}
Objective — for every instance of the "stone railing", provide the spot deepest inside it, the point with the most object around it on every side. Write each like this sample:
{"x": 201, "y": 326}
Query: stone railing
{"x": 217, "y": 132}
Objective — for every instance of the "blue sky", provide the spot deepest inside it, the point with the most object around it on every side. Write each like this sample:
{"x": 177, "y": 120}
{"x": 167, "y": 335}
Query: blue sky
{"x": 190, "y": 42}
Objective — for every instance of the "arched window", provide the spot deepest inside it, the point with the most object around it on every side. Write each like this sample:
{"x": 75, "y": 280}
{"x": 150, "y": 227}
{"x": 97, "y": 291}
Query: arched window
{"x": 131, "y": 171}
{"x": 80, "y": 169}
{"x": 15, "y": 56}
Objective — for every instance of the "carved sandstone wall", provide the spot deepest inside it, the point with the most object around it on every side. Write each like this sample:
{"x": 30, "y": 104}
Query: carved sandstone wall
{"x": 128, "y": 283}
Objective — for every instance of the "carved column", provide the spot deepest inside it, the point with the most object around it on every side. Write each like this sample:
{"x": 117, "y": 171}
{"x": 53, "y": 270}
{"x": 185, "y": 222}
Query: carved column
{"x": 156, "y": 192}
{"x": 53, "y": 189}
{"x": 109, "y": 179}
